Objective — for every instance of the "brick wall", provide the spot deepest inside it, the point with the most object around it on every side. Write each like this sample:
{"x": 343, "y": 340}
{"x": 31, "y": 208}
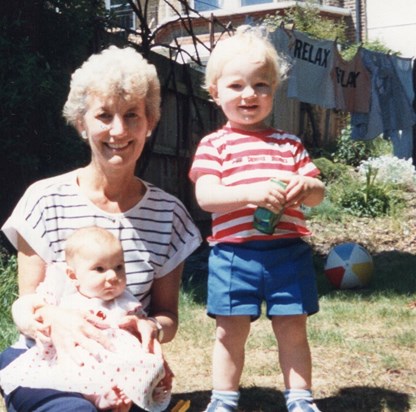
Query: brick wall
{"x": 352, "y": 23}
{"x": 352, "y": 20}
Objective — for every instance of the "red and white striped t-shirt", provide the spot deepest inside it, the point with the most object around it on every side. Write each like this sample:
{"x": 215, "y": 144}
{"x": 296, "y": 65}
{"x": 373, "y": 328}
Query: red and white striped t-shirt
{"x": 239, "y": 157}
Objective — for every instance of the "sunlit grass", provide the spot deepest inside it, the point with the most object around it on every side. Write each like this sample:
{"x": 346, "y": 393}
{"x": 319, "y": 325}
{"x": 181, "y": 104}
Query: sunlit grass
{"x": 362, "y": 342}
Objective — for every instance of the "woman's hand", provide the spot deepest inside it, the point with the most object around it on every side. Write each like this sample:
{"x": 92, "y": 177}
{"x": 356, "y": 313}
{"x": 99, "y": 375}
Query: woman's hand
{"x": 24, "y": 316}
{"x": 145, "y": 330}
{"x": 166, "y": 383}
{"x": 69, "y": 330}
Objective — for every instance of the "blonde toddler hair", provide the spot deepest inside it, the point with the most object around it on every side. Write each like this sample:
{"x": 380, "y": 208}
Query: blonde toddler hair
{"x": 247, "y": 41}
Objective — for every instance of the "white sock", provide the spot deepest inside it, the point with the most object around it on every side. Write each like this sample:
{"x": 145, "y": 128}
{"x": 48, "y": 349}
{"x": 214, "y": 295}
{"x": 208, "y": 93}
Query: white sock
{"x": 294, "y": 394}
{"x": 228, "y": 397}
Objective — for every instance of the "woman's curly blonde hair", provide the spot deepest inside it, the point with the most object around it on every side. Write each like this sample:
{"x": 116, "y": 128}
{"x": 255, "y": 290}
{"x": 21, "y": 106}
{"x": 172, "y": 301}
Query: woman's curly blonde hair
{"x": 114, "y": 72}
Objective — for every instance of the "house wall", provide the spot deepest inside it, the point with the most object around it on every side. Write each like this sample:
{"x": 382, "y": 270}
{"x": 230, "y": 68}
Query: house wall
{"x": 393, "y": 24}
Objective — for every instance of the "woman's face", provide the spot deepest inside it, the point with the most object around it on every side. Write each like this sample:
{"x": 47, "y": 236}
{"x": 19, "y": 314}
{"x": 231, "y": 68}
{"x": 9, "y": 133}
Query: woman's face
{"x": 116, "y": 130}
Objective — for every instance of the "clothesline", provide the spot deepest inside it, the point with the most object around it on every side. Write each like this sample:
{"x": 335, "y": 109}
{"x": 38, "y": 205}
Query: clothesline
{"x": 376, "y": 88}
{"x": 359, "y": 45}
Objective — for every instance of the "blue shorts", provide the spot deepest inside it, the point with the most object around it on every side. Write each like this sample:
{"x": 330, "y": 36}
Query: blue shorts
{"x": 279, "y": 272}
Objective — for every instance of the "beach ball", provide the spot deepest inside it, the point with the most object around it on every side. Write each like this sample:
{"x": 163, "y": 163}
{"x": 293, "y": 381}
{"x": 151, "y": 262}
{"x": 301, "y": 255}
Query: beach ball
{"x": 349, "y": 266}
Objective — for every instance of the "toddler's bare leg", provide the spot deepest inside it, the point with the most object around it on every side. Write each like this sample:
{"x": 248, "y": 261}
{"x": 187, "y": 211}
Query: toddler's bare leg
{"x": 228, "y": 356}
{"x": 294, "y": 352}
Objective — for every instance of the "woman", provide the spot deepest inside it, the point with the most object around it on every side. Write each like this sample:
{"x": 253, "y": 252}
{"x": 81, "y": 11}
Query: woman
{"x": 114, "y": 104}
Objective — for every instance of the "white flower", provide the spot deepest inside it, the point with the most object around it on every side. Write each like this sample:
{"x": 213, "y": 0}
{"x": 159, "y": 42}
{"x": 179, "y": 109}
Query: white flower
{"x": 389, "y": 170}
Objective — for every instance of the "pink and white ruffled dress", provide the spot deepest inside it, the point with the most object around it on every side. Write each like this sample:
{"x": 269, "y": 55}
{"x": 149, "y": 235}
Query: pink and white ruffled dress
{"x": 126, "y": 366}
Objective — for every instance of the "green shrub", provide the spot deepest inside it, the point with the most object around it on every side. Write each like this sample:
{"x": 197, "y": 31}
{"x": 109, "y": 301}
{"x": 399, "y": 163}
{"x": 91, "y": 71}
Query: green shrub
{"x": 359, "y": 192}
{"x": 353, "y": 152}
{"x": 367, "y": 199}
{"x": 330, "y": 171}
{"x": 8, "y": 282}
{"x": 325, "y": 211}
{"x": 8, "y": 293}
{"x": 350, "y": 152}
{"x": 366, "y": 202}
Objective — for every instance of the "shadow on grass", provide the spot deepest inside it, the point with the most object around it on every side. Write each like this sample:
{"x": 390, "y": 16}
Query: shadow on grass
{"x": 354, "y": 399}
{"x": 366, "y": 399}
{"x": 393, "y": 275}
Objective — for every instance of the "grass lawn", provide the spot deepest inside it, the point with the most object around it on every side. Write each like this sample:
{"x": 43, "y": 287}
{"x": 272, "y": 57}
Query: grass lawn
{"x": 363, "y": 341}
{"x": 363, "y": 345}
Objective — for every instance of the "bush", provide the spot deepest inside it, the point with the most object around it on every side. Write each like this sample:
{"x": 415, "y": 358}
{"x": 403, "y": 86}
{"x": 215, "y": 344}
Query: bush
{"x": 375, "y": 189}
{"x": 8, "y": 282}
{"x": 8, "y": 294}
{"x": 330, "y": 171}
{"x": 368, "y": 198}
{"x": 351, "y": 152}
{"x": 373, "y": 201}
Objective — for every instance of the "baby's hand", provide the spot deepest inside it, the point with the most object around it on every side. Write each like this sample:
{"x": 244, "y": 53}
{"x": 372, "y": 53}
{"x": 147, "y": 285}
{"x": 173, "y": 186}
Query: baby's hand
{"x": 115, "y": 399}
{"x": 166, "y": 382}
{"x": 98, "y": 319}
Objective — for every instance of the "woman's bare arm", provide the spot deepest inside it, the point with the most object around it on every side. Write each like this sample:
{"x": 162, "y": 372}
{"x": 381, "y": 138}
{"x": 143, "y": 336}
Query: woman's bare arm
{"x": 68, "y": 328}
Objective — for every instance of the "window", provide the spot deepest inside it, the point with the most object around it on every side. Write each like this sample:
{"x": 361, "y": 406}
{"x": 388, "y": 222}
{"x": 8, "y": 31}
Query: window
{"x": 205, "y": 5}
{"x": 252, "y": 2}
{"x": 124, "y": 14}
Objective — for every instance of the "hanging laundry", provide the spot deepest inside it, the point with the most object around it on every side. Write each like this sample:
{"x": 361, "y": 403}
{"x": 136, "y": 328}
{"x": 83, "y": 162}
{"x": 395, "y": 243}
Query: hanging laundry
{"x": 404, "y": 70}
{"x": 389, "y": 107}
{"x": 311, "y": 62}
{"x": 352, "y": 83}
{"x": 402, "y": 140}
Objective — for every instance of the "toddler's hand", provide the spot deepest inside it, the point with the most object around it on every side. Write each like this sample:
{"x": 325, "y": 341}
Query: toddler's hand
{"x": 268, "y": 194}
{"x": 298, "y": 189}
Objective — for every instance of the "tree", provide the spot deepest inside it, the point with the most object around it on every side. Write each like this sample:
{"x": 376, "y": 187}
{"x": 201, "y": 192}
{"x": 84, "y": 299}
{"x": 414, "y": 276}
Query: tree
{"x": 306, "y": 17}
{"x": 41, "y": 42}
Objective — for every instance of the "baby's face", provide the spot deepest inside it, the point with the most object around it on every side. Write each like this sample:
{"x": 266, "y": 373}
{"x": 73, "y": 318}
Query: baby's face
{"x": 245, "y": 93}
{"x": 100, "y": 272}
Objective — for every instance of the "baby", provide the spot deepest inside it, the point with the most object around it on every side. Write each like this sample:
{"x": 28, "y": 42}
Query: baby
{"x": 125, "y": 374}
